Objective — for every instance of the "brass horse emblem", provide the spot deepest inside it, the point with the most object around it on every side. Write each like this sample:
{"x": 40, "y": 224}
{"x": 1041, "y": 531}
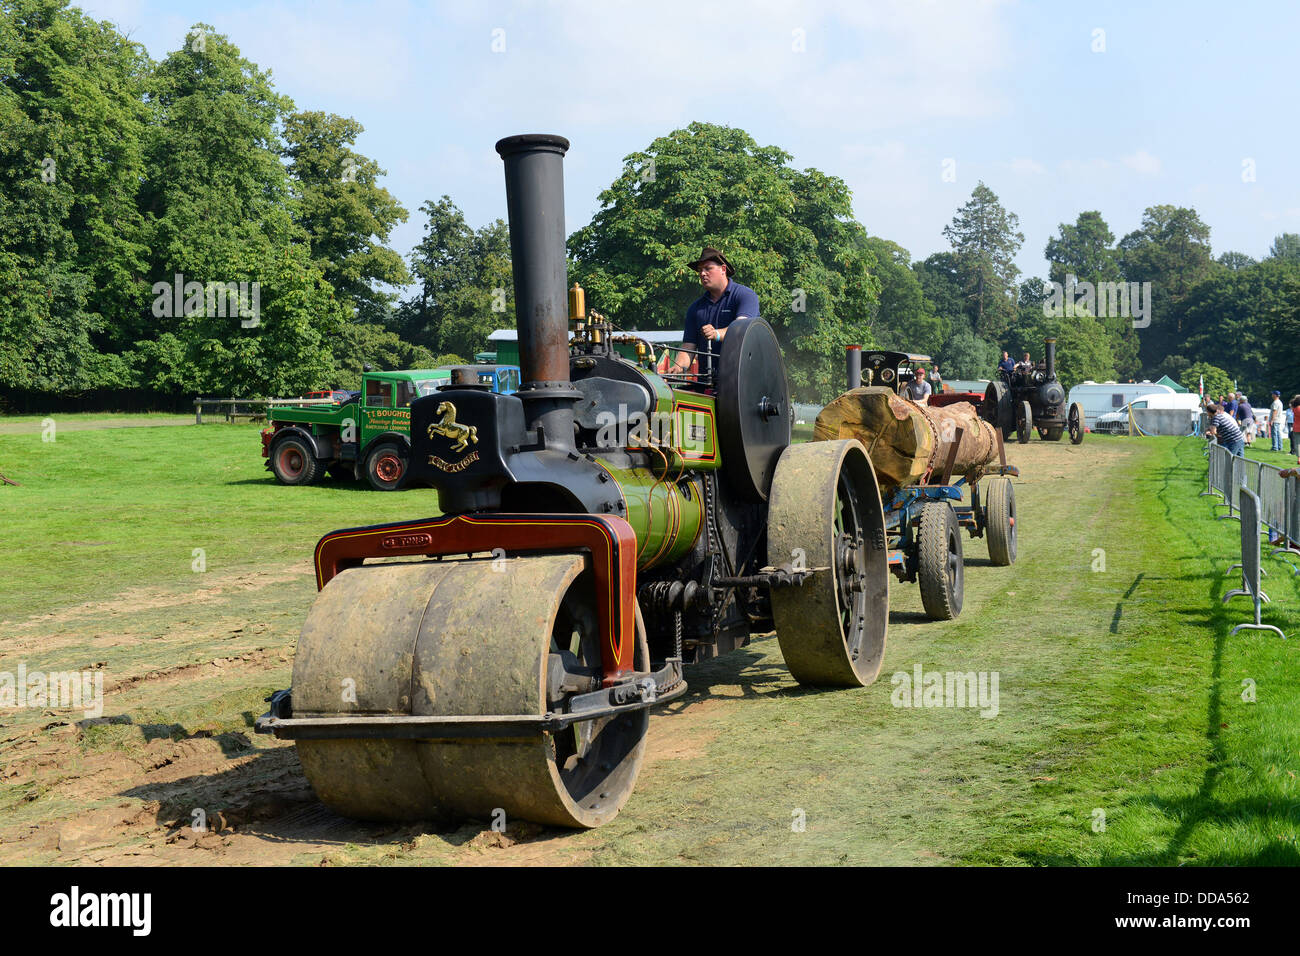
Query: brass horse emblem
{"x": 449, "y": 428}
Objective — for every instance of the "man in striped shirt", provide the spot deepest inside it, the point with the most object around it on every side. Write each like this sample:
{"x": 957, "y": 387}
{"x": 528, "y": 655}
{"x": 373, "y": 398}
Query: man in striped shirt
{"x": 1224, "y": 430}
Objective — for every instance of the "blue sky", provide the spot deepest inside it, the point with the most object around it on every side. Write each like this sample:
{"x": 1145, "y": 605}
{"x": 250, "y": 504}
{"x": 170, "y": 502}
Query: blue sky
{"x": 1180, "y": 98}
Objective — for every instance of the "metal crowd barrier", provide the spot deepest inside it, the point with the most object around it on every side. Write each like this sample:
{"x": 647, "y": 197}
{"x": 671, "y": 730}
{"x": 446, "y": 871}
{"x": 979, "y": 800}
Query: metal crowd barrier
{"x": 1250, "y": 567}
{"x": 1256, "y": 494}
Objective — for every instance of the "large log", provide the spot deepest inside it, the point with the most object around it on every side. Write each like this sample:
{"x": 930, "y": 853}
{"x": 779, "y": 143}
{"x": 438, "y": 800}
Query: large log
{"x": 905, "y": 440}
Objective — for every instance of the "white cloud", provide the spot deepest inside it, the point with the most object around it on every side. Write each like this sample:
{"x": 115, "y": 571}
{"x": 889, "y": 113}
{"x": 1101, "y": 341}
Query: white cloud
{"x": 1142, "y": 162}
{"x": 1025, "y": 167}
{"x": 862, "y": 68}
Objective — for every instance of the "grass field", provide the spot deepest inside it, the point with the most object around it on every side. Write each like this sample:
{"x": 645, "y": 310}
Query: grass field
{"x": 1123, "y": 733}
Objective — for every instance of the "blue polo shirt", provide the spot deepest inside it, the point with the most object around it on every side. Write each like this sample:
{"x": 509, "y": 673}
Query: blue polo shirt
{"x": 735, "y": 301}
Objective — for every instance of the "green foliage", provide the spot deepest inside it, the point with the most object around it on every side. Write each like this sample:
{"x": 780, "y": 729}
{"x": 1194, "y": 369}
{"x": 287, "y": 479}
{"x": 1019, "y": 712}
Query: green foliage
{"x": 1083, "y": 250}
{"x": 1240, "y": 317}
{"x": 1217, "y": 381}
{"x": 966, "y": 355}
{"x": 1171, "y": 250}
{"x": 1236, "y": 261}
{"x": 1083, "y": 349}
{"x": 789, "y": 234}
{"x": 985, "y": 239}
{"x": 119, "y": 174}
{"x": 344, "y": 211}
{"x": 464, "y": 283}
{"x": 1282, "y": 325}
{"x": 903, "y": 319}
{"x": 356, "y": 345}
{"x": 72, "y": 118}
{"x": 1285, "y": 246}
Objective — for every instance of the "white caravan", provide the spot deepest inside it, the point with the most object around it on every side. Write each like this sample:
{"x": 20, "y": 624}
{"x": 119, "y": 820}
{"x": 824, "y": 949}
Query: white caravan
{"x": 1117, "y": 422}
{"x": 1101, "y": 398}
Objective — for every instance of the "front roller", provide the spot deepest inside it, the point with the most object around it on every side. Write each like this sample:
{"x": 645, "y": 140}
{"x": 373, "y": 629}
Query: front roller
{"x": 825, "y": 512}
{"x": 503, "y": 647}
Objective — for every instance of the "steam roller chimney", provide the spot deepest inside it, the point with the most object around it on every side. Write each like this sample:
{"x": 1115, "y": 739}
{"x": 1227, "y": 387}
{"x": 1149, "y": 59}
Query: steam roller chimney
{"x": 1049, "y": 357}
{"x": 534, "y": 167}
{"x": 853, "y": 356}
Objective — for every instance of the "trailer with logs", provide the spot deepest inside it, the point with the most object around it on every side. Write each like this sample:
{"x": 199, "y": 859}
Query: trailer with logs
{"x": 924, "y": 455}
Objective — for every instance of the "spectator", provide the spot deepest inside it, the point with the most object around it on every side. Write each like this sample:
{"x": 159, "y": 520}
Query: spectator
{"x": 1275, "y": 421}
{"x": 1229, "y": 405}
{"x": 1224, "y": 430}
{"x": 936, "y": 380}
{"x": 1294, "y": 413}
{"x": 1245, "y": 419}
{"x": 1006, "y": 367}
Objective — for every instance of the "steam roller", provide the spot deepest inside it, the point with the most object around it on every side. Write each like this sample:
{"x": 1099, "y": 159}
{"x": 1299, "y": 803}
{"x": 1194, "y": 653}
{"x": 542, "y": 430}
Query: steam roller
{"x": 597, "y": 531}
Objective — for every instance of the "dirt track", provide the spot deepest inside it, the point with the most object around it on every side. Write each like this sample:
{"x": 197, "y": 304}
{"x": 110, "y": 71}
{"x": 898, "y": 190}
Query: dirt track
{"x": 123, "y": 788}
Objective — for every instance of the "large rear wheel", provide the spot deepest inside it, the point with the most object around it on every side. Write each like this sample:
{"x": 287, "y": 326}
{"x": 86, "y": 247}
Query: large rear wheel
{"x": 1024, "y": 423}
{"x": 825, "y": 512}
{"x": 462, "y": 638}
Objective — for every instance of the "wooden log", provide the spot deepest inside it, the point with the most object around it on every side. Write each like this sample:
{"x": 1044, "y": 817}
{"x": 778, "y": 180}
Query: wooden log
{"x": 904, "y": 440}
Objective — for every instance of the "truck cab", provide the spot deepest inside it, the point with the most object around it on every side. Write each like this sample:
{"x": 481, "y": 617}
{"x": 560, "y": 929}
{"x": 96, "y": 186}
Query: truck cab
{"x": 369, "y": 435}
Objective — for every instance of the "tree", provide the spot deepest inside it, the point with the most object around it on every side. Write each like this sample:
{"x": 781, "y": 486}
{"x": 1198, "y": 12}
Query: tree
{"x": 1171, "y": 250}
{"x": 1083, "y": 347}
{"x": 1217, "y": 381}
{"x": 348, "y": 217}
{"x": 1236, "y": 261}
{"x": 967, "y": 356}
{"x": 1227, "y": 318}
{"x": 789, "y": 234}
{"x": 1283, "y": 324}
{"x": 1286, "y": 246}
{"x": 941, "y": 285}
{"x": 218, "y": 198}
{"x": 464, "y": 283}
{"x": 903, "y": 319}
{"x": 1083, "y": 250}
{"x": 985, "y": 239}
{"x": 72, "y": 117}
{"x": 357, "y": 345}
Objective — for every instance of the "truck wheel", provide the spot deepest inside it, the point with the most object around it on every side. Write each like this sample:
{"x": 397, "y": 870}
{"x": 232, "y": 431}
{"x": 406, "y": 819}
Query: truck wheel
{"x": 386, "y": 467}
{"x": 1000, "y": 512}
{"x": 940, "y": 569}
{"x": 294, "y": 462}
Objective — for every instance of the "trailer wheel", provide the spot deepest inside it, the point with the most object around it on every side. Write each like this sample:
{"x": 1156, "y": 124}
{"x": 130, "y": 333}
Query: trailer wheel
{"x": 1025, "y": 426}
{"x": 294, "y": 462}
{"x": 940, "y": 569}
{"x": 386, "y": 467}
{"x": 1001, "y": 521}
{"x": 1076, "y": 423}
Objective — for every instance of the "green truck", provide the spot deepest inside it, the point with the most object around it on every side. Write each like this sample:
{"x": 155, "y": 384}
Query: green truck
{"x": 365, "y": 433}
